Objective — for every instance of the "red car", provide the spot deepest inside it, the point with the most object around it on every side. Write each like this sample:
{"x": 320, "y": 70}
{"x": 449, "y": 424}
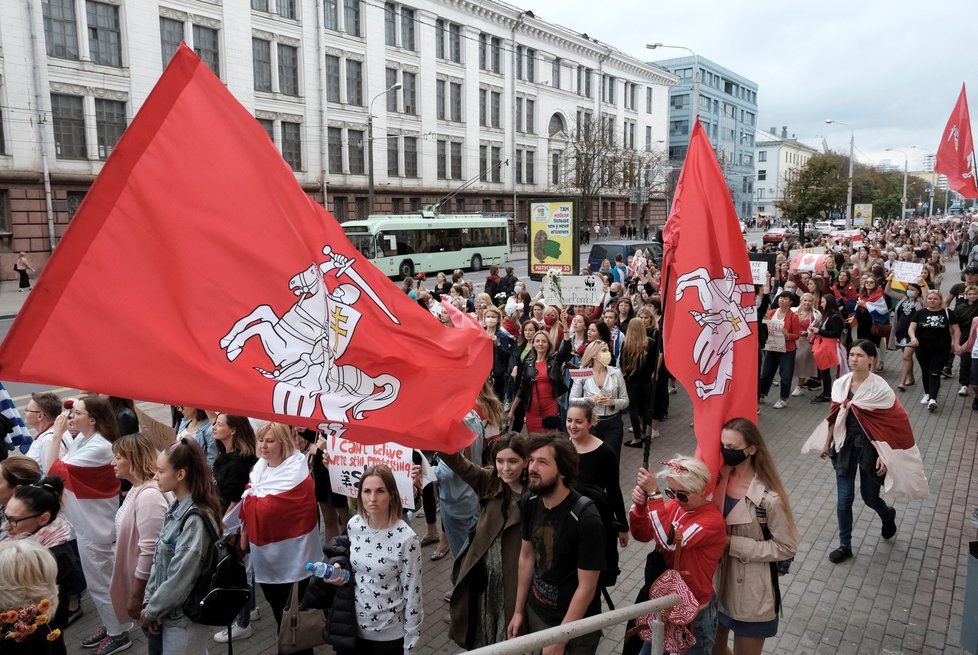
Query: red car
{"x": 777, "y": 235}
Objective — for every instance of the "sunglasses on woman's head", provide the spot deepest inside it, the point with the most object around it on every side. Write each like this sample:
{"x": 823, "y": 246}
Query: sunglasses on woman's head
{"x": 681, "y": 496}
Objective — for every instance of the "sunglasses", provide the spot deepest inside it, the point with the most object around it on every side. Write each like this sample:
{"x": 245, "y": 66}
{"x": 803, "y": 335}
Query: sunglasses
{"x": 681, "y": 496}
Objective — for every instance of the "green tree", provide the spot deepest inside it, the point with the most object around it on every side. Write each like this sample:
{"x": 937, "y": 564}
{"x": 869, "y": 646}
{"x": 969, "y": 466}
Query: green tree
{"x": 815, "y": 191}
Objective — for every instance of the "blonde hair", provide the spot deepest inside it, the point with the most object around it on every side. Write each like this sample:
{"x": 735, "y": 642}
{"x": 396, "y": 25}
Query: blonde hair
{"x": 689, "y": 472}
{"x": 635, "y": 348}
{"x": 140, "y": 453}
{"x": 281, "y": 433}
{"x": 28, "y": 574}
{"x": 591, "y": 352}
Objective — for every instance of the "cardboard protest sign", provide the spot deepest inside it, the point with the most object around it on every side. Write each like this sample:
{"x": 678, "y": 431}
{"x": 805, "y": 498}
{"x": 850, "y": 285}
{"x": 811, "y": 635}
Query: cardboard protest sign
{"x": 573, "y": 290}
{"x": 348, "y": 459}
{"x": 907, "y": 272}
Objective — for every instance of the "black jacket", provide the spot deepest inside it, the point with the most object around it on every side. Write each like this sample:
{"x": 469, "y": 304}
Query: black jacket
{"x": 231, "y": 473}
{"x": 341, "y": 625}
{"x": 526, "y": 374}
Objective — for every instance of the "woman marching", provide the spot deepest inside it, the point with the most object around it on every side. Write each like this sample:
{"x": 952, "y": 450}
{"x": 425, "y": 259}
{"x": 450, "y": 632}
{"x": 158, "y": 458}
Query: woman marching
{"x": 539, "y": 383}
{"x": 605, "y": 391}
{"x": 181, "y": 470}
{"x": 484, "y": 595}
{"x": 825, "y": 345}
{"x": 760, "y": 531}
{"x": 385, "y": 556}
{"x": 638, "y": 363}
{"x": 782, "y": 360}
{"x": 932, "y": 333}
{"x": 867, "y": 430}
{"x": 903, "y": 315}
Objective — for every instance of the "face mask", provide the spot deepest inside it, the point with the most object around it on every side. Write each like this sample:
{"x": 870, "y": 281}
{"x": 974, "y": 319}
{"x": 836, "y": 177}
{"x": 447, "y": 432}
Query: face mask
{"x": 549, "y": 320}
{"x": 911, "y": 294}
{"x": 732, "y": 456}
{"x": 604, "y": 357}
{"x": 518, "y": 288}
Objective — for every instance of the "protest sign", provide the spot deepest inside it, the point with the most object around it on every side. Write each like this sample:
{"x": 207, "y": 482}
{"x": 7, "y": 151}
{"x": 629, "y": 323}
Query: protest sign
{"x": 907, "y": 272}
{"x": 566, "y": 290}
{"x": 348, "y": 459}
{"x": 758, "y": 272}
{"x": 775, "y": 336}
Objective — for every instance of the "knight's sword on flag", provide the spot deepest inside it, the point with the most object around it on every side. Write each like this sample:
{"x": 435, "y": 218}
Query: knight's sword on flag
{"x": 353, "y": 275}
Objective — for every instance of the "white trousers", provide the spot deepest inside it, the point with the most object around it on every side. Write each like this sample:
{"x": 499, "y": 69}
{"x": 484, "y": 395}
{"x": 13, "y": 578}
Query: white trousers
{"x": 97, "y": 561}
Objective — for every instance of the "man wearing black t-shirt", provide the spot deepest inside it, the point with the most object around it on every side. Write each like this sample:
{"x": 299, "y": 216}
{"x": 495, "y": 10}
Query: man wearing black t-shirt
{"x": 560, "y": 559}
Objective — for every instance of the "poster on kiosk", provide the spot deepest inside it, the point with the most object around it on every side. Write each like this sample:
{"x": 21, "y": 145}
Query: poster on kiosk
{"x": 553, "y": 237}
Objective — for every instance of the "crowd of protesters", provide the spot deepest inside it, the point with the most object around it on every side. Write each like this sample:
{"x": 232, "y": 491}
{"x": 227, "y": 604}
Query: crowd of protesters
{"x": 520, "y": 508}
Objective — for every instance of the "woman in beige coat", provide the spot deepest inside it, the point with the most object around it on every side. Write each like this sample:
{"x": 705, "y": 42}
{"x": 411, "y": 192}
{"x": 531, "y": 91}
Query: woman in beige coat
{"x": 760, "y": 532}
{"x": 484, "y": 595}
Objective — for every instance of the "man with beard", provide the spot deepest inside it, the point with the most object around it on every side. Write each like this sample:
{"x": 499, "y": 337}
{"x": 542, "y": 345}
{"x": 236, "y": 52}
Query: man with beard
{"x": 559, "y": 565}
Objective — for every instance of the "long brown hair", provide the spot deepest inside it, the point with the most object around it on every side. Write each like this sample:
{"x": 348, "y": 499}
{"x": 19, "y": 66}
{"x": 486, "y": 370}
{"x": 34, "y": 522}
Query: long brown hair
{"x": 383, "y": 472}
{"x": 243, "y": 438}
{"x": 635, "y": 347}
{"x": 489, "y": 403}
{"x": 186, "y": 454}
{"x": 101, "y": 412}
{"x": 764, "y": 466}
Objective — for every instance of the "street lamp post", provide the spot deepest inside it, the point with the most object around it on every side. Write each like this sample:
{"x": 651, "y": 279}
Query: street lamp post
{"x": 852, "y": 148}
{"x": 370, "y": 146}
{"x": 933, "y": 183}
{"x": 696, "y": 73}
{"x": 903, "y": 198}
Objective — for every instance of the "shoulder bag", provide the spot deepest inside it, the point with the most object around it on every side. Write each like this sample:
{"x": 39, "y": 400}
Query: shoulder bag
{"x": 300, "y": 629}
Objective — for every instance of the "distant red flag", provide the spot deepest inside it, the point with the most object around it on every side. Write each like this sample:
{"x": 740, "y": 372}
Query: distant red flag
{"x": 197, "y": 272}
{"x": 956, "y": 153}
{"x": 710, "y": 331}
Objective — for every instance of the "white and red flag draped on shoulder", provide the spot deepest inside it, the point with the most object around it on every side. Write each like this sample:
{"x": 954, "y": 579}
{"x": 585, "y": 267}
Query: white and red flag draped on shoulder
{"x": 710, "y": 331}
{"x": 956, "y": 153}
{"x": 279, "y": 513}
{"x": 197, "y": 272}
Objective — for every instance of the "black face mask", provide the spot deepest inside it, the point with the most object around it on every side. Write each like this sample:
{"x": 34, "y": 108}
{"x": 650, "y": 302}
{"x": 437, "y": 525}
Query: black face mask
{"x": 732, "y": 456}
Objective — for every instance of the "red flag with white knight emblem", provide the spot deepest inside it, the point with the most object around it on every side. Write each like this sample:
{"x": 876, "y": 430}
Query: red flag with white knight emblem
{"x": 956, "y": 153}
{"x": 197, "y": 272}
{"x": 710, "y": 331}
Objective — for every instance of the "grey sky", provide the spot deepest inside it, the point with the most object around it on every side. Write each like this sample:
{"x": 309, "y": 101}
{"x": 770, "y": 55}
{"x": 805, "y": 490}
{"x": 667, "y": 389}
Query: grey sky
{"x": 891, "y": 68}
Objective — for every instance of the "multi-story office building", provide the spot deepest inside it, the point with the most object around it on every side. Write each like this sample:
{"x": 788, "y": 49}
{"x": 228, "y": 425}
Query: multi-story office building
{"x": 728, "y": 112}
{"x": 459, "y": 91}
{"x": 778, "y": 159}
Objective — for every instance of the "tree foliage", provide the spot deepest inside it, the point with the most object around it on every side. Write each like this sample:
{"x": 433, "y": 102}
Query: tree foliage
{"x": 815, "y": 191}
{"x": 599, "y": 163}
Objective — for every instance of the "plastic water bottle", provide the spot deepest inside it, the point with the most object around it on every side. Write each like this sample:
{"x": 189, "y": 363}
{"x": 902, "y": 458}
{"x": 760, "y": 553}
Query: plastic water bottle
{"x": 327, "y": 571}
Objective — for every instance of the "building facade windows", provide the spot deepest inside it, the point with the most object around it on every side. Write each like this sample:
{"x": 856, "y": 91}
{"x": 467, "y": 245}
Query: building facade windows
{"x": 171, "y": 35}
{"x": 448, "y": 41}
{"x": 555, "y": 73}
{"x": 286, "y": 9}
{"x": 104, "y": 36}
{"x": 68, "y": 118}
{"x": 333, "y": 83}
{"x": 288, "y": 70}
{"x": 292, "y": 144}
{"x": 761, "y": 174}
{"x": 207, "y": 48}
{"x": 110, "y": 123}
{"x": 261, "y": 56}
{"x": 60, "y": 28}
{"x": 352, "y": 21}
{"x": 334, "y": 149}
{"x": 355, "y": 146}
{"x": 354, "y": 82}
{"x": 267, "y": 124}
{"x": 490, "y": 53}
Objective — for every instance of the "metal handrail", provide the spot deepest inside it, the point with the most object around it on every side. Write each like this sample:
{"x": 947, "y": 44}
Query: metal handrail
{"x": 537, "y": 640}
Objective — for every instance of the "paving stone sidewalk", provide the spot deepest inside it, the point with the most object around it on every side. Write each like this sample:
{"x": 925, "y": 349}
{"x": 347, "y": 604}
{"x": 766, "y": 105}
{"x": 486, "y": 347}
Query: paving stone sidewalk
{"x": 904, "y": 596}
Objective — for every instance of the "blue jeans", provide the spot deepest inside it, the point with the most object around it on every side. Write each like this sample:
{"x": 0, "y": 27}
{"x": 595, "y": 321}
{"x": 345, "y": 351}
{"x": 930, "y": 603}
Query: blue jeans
{"x": 704, "y": 628}
{"x": 869, "y": 489}
{"x": 773, "y": 362}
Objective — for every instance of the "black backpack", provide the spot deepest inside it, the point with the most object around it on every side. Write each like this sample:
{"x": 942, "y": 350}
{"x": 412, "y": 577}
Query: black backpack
{"x": 591, "y": 494}
{"x": 221, "y": 588}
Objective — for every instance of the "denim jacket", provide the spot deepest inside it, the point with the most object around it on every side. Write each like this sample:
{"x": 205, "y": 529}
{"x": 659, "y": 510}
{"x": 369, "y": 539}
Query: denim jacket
{"x": 177, "y": 562}
{"x": 205, "y": 437}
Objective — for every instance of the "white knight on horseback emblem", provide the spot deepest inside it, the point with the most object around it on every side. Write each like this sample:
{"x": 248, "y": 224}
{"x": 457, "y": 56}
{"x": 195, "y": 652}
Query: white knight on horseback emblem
{"x": 305, "y": 342}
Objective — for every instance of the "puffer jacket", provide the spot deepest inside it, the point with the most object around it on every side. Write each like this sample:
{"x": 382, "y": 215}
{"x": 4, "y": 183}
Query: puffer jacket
{"x": 341, "y": 625}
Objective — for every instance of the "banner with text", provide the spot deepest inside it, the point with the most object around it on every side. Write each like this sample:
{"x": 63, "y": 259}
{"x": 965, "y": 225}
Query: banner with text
{"x": 552, "y": 234}
{"x": 862, "y": 214}
{"x": 907, "y": 272}
{"x": 348, "y": 459}
{"x": 572, "y": 290}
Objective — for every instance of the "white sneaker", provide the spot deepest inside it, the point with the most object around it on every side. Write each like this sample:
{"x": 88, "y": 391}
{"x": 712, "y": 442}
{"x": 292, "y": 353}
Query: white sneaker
{"x": 781, "y": 404}
{"x": 797, "y": 391}
{"x": 931, "y": 405}
{"x": 653, "y": 434}
{"x": 925, "y": 399}
{"x": 963, "y": 391}
{"x": 255, "y": 614}
{"x": 237, "y": 632}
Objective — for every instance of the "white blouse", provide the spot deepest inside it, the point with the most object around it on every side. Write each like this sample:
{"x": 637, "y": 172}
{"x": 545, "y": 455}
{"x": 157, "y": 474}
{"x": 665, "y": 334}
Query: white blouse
{"x": 614, "y": 387}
